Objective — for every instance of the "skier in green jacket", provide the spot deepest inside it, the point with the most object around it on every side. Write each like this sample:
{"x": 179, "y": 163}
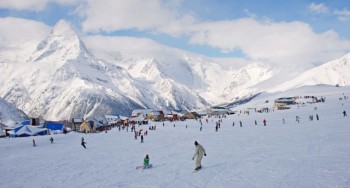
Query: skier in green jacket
{"x": 146, "y": 162}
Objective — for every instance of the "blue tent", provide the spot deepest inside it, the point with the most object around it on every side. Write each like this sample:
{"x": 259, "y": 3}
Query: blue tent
{"x": 54, "y": 126}
{"x": 26, "y": 122}
{"x": 28, "y": 130}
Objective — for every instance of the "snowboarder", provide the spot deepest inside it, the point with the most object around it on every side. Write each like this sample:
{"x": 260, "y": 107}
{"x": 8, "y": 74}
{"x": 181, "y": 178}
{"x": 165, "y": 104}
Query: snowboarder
{"x": 141, "y": 138}
{"x": 264, "y": 121}
{"x": 51, "y": 140}
{"x": 146, "y": 162}
{"x": 199, "y": 151}
{"x": 344, "y": 113}
{"x": 83, "y": 142}
{"x": 34, "y": 143}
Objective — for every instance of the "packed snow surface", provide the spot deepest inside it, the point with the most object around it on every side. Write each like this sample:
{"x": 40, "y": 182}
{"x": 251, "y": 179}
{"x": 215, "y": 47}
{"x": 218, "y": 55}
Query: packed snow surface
{"x": 306, "y": 154}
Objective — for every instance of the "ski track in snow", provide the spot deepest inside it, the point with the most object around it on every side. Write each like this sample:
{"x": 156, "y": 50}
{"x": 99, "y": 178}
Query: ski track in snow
{"x": 306, "y": 154}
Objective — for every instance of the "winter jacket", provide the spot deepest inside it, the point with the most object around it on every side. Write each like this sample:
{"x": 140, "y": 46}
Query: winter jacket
{"x": 199, "y": 151}
{"x": 146, "y": 161}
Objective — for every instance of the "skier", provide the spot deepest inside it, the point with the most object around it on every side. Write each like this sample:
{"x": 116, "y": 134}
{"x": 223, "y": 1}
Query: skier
{"x": 233, "y": 124}
{"x": 216, "y": 128}
{"x": 264, "y": 121}
{"x": 240, "y": 123}
{"x": 256, "y": 123}
{"x": 141, "y": 138}
{"x": 344, "y": 113}
{"x": 51, "y": 140}
{"x": 146, "y": 162}
{"x": 199, "y": 151}
{"x": 317, "y": 118}
{"x": 34, "y": 143}
{"x": 83, "y": 142}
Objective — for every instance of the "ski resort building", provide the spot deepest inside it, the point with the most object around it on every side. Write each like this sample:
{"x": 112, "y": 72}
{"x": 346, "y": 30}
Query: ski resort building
{"x": 141, "y": 112}
{"x": 282, "y": 103}
{"x": 76, "y": 122}
{"x": 191, "y": 115}
{"x": 285, "y": 101}
{"x": 54, "y": 127}
{"x": 111, "y": 119}
{"x": 157, "y": 115}
{"x": 216, "y": 110}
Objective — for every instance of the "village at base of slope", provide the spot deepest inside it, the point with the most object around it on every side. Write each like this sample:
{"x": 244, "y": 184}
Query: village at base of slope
{"x": 34, "y": 127}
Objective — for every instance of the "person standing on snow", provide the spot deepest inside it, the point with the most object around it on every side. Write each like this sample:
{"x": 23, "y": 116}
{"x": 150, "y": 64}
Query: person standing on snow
{"x": 83, "y": 142}
{"x": 344, "y": 113}
{"x": 51, "y": 140}
{"x": 199, "y": 151}
{"x": 146, "y": 162}
{"x": 264, "y": 122}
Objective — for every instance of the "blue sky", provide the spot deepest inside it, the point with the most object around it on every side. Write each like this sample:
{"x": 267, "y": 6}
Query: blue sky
{"x": 259, "y": 30}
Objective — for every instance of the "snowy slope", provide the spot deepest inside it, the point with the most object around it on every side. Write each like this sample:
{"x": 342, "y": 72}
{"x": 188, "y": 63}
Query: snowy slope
{"x": 335, "y": 72}
{"x": 9, "y": 114}
{"x": 308, "y": 154}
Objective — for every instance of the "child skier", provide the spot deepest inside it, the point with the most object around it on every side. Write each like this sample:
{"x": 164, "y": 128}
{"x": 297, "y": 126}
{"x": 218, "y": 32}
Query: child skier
{"x": 146, "y": 162}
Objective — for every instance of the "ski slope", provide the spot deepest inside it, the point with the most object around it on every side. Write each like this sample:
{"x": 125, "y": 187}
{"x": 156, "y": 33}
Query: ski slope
{"x": 308, "y": 154}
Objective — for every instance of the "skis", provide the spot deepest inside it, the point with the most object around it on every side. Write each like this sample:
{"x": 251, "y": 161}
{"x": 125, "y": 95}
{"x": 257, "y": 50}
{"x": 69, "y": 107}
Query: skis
{"x": 142, "y": 167}
{"x": 139, "y": 167}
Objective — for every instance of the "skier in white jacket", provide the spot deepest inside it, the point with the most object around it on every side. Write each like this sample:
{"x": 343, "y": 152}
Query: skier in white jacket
{"x": 199, "y": 151}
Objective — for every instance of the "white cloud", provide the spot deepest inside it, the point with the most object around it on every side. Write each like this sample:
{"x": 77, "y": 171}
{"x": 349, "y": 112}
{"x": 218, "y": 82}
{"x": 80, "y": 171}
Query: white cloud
{"x": 283, "y": 42}
{"x": 16, "y": 32}
{"x": 318, "y": 8}
{"x": 343, "y": 15}
{"x": 259, "y": 40}
{"x": 32, "y": 5}
{"x": 279, "y": 42}
{"x": 150, "y": 15}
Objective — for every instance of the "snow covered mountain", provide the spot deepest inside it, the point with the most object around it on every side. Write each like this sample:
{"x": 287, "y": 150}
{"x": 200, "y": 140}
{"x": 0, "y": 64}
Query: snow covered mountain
{"x": 335, "y": 72}
{"x": 61, "y": 79}
{"x": 9, "y": 114}
{"x": 66, "y": 76}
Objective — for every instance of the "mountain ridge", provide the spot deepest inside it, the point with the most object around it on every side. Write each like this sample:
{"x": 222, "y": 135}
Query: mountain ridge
{"x": 62, "y": 79}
